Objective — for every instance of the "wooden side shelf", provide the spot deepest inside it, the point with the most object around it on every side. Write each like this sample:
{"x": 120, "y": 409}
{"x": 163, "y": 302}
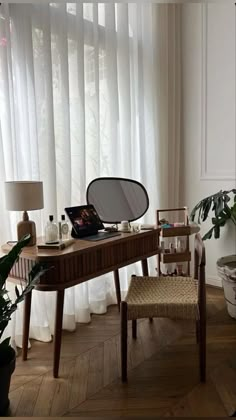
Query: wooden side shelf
{"x": 176, "y": 257}
{"x": 175, "y": 231}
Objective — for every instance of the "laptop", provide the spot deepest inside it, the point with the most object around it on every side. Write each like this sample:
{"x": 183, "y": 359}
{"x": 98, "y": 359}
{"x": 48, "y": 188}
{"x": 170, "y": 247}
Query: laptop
{"x": 87, "y": 223}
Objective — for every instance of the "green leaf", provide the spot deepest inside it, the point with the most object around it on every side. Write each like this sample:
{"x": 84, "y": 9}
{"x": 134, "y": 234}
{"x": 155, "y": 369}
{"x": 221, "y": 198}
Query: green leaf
{"x": 3, "y": 291}
{"x": 7, "y": 262}
{"x": 226, "y": 198}
{"x": 37, "y": 271}
{"x": 17, "y": 291}
{"x": 206, "y": 209}
{"x": 217, "y": 231}
{"x": 3, "y": 325}
{"x": 193, "y": 212}
{"x": 208, "y": 235}
{"x": 227, "y": 211}
{"x": 233, "y": 209}
{"x": 7, "y": 306}
{"x": 218, "y": 204}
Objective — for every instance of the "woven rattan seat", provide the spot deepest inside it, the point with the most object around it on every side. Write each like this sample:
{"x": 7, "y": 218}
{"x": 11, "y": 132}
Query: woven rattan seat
{"x": 168, "y": 297}
{"x": 163, "y": 297}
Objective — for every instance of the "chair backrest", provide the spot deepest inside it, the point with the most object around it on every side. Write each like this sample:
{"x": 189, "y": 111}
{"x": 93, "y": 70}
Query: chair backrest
{"x": 199, "y": 256}
{"x": 199, "y": 270}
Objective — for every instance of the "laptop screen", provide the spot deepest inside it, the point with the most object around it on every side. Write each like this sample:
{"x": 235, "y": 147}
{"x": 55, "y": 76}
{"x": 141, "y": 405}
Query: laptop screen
{"x": 84, "y": 219}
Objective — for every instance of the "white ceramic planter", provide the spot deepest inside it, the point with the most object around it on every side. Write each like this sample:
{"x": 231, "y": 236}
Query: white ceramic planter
{"x": 226, "y": 267}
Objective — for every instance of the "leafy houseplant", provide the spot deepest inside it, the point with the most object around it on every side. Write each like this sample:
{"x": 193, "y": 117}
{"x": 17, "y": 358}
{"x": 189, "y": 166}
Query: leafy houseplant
{"x": 219, "y": 204}
{"x": 223, "y": 205}
{"x": 7, "y": 307}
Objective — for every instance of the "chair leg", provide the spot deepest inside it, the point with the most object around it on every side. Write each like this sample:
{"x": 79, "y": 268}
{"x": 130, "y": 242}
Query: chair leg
{"x": 117, "y": 286}
{"x": 202, "y": 349}
{"x": 123, "y": 340}
{"x": 134, "y": 328}
{"x": 197, "y": 331}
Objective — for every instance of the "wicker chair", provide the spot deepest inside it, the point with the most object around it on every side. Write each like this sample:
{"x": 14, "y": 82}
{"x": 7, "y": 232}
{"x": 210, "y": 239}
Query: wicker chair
{"x": 168, "y": 297}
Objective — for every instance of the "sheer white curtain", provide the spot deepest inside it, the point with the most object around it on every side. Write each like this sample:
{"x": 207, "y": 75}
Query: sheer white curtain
{"x": 82, "y": 95}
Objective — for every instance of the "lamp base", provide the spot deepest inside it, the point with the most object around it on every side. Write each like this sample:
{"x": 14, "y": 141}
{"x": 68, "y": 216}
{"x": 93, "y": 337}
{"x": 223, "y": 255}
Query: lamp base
{"x": 27, "y": 227}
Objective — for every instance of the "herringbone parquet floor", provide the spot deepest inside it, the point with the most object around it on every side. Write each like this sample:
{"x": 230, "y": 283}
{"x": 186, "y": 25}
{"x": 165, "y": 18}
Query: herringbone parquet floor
{"x": 163, "y": 370}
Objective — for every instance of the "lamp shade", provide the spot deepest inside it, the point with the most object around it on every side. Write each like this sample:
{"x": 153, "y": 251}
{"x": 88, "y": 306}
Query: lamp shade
{"x": 24, "y": 195}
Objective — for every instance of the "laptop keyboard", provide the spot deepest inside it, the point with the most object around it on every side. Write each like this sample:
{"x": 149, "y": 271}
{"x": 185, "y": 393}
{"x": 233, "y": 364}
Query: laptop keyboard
{"x": 100, "y": 235}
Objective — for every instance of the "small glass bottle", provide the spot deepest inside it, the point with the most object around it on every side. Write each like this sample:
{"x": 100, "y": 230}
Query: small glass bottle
{"x": 64, "y": 228}
{"x": 51, "y": 231}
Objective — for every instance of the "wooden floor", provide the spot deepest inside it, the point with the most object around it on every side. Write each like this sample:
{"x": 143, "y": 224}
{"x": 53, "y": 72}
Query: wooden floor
{"x": 163, "y": 370}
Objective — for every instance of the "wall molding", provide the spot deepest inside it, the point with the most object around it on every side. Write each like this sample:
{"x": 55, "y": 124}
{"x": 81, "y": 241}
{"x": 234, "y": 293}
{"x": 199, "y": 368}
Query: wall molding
{"x": 214, "y": 281}
{"x": 204, "y": 174}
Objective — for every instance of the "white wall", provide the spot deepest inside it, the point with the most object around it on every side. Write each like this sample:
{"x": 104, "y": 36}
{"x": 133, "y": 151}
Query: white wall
{"x": 209, "y": 150}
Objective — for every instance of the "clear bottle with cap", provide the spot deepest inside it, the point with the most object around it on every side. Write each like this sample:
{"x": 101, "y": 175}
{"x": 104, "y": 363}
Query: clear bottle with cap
{"x": 51, "y": 231}
{"x": 65, "y": 232}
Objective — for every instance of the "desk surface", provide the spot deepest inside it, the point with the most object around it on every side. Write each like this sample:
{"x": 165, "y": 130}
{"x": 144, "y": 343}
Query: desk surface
{"x": 84, "y": 260}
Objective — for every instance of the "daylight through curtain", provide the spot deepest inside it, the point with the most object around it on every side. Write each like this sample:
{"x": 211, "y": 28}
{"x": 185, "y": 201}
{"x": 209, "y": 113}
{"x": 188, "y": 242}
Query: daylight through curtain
{"x": 79, "y": 99}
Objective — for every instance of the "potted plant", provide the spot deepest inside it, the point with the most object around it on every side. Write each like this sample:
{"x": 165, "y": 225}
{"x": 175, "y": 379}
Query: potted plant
{"x": 223, "y": 206}
{"x": 7, "y": 307}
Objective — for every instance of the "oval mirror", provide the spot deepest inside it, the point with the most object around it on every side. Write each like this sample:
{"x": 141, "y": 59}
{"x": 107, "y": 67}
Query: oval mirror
{"x": 117, "y": 199}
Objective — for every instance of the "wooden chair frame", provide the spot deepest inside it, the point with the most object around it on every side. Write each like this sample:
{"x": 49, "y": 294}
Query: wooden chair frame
{"x": 199, "y": 274}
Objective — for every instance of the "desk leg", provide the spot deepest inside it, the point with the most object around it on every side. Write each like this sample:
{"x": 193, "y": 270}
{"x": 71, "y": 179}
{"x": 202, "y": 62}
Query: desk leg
{"x": 26, "y": 324}
{"x": 58, "y": 331}
{"x": 117, "y": 285}
{"x": 144, "y": 267}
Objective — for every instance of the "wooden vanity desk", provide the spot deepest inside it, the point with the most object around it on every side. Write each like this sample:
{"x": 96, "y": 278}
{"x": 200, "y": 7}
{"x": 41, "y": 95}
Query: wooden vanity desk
{"x": 81, "y": 261}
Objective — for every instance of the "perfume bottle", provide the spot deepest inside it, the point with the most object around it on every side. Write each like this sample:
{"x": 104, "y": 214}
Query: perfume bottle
{"x": 51, "y": 231}
{"x": 64, "y": 228}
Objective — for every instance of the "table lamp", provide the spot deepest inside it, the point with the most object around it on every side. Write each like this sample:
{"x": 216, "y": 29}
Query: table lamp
{"x": 24, "y": 195}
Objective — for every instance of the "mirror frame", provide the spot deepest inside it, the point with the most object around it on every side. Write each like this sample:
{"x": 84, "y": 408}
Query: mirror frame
{"x": 119, "y": 179}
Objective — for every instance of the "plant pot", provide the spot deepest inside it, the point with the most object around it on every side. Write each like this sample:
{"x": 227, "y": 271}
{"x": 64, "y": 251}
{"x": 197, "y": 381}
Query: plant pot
{"x": 6, "y": 371}
{"x": 226, "y": 267}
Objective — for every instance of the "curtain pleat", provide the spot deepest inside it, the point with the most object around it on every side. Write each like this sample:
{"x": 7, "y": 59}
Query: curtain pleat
{"x": 7, "y": 120}
{"x": 112, "y": 131}
{"x": 174, "y": 104}
{"x": 78, "y": 108}
{"x": 96, "y": 87}
{"x": 124, "y": 89}
{"x": 24, "y": 92}
{"x": 59, "y": 41}
{"x": 87, "y": 90}
{"x": 45, "y": 108}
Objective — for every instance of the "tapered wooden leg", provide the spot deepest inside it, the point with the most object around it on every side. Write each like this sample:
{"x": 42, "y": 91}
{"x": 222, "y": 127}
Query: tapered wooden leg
{"x": 123, "y": 340}
{"x": 58, "y": 331}
{"x": 144, "y": 267}
{"x": 145, "y": 273}
{"x": 26, "y": 324}
{"x": 134, "y": 328}
{"x": 197, "y": 330}
{"x": 117, "y": 286}
{"x": 202, "y": 335}
{"x": 202, "y": 323}
{"x": 202, "y": 351}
